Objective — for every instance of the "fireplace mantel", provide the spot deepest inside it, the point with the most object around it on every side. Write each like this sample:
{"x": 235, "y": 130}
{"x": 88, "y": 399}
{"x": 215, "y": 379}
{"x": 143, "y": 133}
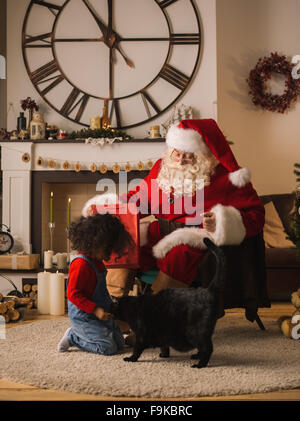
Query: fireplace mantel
{"x": 18, "y": 173}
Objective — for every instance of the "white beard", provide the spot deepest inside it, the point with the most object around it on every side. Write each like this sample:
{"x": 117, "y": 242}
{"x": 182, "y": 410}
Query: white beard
{"x": 184, "y": 180}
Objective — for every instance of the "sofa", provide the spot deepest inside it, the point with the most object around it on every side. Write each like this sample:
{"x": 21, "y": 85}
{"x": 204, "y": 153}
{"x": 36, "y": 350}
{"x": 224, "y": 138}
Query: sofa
{"x": 283, "y": 268}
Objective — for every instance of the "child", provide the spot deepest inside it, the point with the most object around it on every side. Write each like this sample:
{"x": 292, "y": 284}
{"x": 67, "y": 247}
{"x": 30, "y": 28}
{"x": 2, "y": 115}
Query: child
{"x": 92, "y": 328}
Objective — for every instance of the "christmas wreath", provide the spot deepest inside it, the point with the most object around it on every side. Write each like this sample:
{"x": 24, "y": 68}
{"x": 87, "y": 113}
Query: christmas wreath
{"x": 263, "y": 72}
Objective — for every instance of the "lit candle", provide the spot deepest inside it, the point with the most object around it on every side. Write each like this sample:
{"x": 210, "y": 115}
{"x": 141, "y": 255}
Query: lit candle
{"x": 69, "y": 212}
{"x": 57, "y": 294}
{"x": 51, "y": 207}
{"x": 44, "y": 292}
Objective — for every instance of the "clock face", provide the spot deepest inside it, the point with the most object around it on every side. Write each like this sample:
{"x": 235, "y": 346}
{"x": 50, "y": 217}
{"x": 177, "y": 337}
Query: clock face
{"x": 6, "y": 242}
{"x": 135, "y": 56}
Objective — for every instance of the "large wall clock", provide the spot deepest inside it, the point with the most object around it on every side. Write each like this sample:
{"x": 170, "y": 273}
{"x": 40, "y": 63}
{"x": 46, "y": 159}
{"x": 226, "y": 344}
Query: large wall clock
{"x": 136, "y": 56}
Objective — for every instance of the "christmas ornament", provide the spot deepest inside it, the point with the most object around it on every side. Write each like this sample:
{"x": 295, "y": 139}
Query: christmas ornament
{"x": 149, "y": 164}
{"x": 77, "y": 167}
{"x": 103, "y": 169}
{"x": 51, "y": 164}
{"x": 66, "y": 165}
{"x": 140, "y": 166}
{"x": 127, "y": 167}
{"x": 26, "y": 157}
{"x": 93, "y": 167}
{"x": 116, "y": 168}
{"x": 40, "y": 161}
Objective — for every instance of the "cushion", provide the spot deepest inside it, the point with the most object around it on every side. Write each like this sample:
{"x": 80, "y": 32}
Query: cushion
{"x": 274, "y": 234}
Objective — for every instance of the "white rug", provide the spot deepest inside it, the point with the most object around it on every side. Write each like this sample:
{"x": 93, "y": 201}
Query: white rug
{"x": 245, "y": 360}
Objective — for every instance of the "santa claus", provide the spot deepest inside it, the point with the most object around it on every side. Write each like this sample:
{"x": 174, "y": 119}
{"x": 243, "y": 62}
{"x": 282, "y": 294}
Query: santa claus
{"x": 207, "y": 195}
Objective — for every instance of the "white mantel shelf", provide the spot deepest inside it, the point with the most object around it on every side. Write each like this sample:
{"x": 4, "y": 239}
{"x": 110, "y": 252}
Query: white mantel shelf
{"x": 17, "y": 173}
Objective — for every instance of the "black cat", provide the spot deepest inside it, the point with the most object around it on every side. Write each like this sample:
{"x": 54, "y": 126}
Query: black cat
{"x": 181, "y": 318}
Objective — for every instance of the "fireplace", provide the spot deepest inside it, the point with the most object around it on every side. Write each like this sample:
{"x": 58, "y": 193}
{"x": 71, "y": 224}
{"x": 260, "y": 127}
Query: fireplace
{"x": 79, "y": 187}
{"x": 27, "y": 184}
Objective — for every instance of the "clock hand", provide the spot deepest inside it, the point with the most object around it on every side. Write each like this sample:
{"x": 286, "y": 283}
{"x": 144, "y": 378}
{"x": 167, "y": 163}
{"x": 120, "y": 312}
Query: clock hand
{"x": 115, "y": 39}
{"x": 102, "y": 26}
{"x": 111, "y": 38}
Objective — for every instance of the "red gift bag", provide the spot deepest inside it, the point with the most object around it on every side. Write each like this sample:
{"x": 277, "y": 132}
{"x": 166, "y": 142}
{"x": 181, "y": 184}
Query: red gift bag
{"x": 129, "y": 217}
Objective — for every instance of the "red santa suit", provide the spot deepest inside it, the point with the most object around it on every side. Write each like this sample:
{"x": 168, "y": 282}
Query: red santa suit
{"x": 230, "y": 196}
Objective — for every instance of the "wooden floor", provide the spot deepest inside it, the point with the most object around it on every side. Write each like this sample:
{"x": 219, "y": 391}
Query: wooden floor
{"x": 10, "y": 391}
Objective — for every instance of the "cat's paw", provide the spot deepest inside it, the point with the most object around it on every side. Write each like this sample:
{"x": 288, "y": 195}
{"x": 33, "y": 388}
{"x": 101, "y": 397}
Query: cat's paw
{"x": 195, "y": 356}
{"x": 131, "y": 359}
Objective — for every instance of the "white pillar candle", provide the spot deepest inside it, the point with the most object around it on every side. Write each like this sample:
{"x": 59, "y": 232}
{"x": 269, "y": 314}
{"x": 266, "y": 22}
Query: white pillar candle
{"x": 61, "y": 260}
{"x": 57, "y": 294}
{"x": 44, "y": 292}
{"x": 48, "y": 256}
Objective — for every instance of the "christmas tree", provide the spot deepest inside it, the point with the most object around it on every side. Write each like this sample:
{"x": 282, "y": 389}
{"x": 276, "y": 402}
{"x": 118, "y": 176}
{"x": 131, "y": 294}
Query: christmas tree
{"x": 294, "y": 234}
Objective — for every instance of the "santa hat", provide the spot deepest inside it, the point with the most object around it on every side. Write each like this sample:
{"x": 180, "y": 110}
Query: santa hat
{"x": 200, "y": 135}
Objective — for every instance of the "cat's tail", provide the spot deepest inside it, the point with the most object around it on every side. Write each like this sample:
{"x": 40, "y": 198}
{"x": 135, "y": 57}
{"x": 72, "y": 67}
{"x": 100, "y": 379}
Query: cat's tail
{"x": 217, "y": 282}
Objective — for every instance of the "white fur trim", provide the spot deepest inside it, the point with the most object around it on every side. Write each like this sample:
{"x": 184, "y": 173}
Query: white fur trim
{"x": 100, "y": 199}
{"x": 190, "y": 236}
{"x": 230, "y": 229}
{"x": 240, "y": 178}
{"x": 187, "y": 140}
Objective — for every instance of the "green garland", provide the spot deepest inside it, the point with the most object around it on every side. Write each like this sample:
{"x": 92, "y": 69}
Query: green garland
{"x": 99, "y": 134}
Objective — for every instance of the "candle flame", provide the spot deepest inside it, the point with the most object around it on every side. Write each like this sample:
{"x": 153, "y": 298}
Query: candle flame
{"x": 52, "y": 194}
{"x": 69, "y": 200}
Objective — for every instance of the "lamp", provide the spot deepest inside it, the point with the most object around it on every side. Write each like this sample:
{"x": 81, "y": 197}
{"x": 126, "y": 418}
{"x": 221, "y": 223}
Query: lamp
{"x": 2, "y": 67}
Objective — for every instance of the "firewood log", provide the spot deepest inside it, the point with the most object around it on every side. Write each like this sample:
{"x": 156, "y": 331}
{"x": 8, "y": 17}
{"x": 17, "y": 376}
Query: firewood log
{"x": 1, "y": 297}
{"x": 27, "y": 288}
{"x": 33, "y": 295}
{"x": 6, "y": 317}
{"x": 10, "y": 303}
{"x": 14, "y": 315}
{"x": 3, "y": 308}
{"x": 30, "y": 305}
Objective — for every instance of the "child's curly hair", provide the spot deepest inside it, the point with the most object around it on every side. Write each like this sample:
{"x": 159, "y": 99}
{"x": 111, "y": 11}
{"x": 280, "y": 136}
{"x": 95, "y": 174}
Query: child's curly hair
{"x": 90, "y": 234}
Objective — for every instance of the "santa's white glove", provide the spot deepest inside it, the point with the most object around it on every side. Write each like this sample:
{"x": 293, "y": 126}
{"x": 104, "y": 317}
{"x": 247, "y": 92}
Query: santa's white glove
{"x": 100, "y": 199}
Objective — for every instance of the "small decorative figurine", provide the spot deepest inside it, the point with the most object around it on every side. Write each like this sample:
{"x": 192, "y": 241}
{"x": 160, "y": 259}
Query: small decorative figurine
{"x": 37, "y": 127}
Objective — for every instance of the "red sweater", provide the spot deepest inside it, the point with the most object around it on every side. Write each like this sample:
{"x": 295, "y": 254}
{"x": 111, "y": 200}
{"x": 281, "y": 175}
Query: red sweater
{"x": 82, "y": 283}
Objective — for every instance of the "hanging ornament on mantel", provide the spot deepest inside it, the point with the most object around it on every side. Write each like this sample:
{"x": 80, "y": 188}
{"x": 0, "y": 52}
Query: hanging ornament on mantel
{"x": 40, "y": 162}
{"x": 127, "y": 167}
{"x": 26, "y": 157}
{"x": 116, "y": 168}
{"x": 77, "y": 167}
{"x": 66, "y": 165}
{"x": 93, "y": 167}
{"x": 149, "y": 164}
{"x": 140, "y": 166}
{"x": 103, "y": 169}
{"x": 51, "y": 164}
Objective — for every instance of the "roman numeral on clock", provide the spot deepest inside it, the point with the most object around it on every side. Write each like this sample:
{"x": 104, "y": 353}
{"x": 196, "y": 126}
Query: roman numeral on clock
{"x": 41, "y": 74}
{"x": 166, "y": 3}
{"x": 148, "y": 100}
{"x": 174, "y": 76}
{"x": 70, "y": 104}
{"x": 115, "y": 109}
{"x": 185, "y": 39}
{"x": 54, "y": 8}
{"x": 44, "y": 38}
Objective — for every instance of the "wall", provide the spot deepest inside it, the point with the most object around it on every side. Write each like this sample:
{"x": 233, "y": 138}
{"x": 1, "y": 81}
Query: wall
{"x": 201, "y": 95}
{"x": 268, "y": 143}
{"x": 3, "y": 53}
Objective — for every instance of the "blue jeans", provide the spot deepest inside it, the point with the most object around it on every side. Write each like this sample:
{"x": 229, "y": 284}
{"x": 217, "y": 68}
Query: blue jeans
{"x": 87, "y": 331}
